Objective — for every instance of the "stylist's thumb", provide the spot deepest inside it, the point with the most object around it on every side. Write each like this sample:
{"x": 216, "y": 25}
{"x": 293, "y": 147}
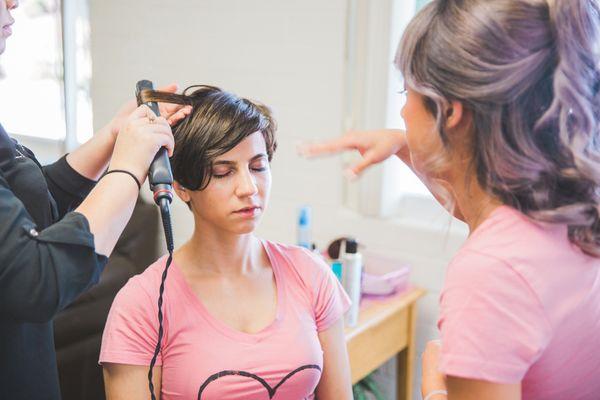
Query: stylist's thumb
{"x": 368, "y": 158}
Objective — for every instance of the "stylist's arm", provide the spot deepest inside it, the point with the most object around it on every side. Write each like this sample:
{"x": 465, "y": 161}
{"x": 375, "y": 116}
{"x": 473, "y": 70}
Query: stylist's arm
{"x": 374, "y": 147}
{"x": 49, "y": 254}
{"x": 435, "y": 385}
{"x": 109, "y": 205}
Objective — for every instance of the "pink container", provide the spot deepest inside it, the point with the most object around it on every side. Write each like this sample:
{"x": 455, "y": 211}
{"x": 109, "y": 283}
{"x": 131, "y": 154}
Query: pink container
{"x": 384, "y": 276}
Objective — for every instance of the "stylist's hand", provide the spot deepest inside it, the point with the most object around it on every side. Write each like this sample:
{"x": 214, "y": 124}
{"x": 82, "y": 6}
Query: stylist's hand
{"x": 140, "y": 138}
{"x": 432, "y": 379}
{"x": 374, "y": 146}
{"x": 173, "y": 113}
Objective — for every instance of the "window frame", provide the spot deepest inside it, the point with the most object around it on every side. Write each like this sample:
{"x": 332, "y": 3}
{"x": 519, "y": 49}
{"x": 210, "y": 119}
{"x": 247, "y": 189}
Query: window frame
{"x": 373, "y": 32}
{"x": 48, "y": 150}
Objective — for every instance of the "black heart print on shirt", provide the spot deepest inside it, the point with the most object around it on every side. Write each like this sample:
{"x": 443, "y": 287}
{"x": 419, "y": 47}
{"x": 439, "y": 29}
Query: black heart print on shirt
{"x": 270, "y": 390}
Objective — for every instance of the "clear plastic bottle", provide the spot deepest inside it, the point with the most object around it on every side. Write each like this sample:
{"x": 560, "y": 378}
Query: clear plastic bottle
{"x": 351, "y": 279}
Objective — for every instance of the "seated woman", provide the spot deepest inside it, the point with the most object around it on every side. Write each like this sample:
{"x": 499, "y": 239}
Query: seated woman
{"x": 244, "y": 318}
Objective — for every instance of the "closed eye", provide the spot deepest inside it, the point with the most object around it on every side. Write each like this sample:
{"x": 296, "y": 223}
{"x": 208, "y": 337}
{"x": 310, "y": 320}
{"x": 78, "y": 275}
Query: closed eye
{"x": 222, "y": 175}
{"x": 260, "y": 165}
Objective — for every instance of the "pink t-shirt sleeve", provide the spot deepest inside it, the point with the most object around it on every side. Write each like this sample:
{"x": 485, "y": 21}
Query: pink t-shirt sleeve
{"x": 330, "y": 301}
{"x": 490, "y": 321}
{"x": 131, "y": 329}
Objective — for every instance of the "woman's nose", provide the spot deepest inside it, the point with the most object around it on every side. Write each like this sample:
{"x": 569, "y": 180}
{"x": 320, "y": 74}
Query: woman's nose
{"x": 246, "y": 185}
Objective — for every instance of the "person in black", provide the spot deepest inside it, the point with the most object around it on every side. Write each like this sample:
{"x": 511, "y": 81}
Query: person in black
{"x": 57, "y": 228}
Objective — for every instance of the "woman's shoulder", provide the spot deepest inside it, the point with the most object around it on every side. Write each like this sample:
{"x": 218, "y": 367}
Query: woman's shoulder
{"x": 509, "y": 235}
{"x": 511, "y": 254}
{"x": 144, "y": 286}
{"x": 299, "y": 262}
{"x": 299, "y": 258}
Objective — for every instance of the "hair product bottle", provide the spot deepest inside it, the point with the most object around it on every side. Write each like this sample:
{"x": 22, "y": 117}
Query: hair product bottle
{"x": 351, "y": 279}
{"x": 303, "y": 234}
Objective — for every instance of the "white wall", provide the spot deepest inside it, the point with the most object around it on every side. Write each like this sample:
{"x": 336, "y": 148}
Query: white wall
{"x": 289, "y": 55}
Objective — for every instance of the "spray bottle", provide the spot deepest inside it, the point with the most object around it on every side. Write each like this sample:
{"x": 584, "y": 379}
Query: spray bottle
{"x": 304, "y": 228}
{"x": 351, "y": 279}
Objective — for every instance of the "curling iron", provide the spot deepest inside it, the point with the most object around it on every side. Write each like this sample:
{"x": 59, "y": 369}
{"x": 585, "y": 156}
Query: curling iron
{"x": 160, "y": 179}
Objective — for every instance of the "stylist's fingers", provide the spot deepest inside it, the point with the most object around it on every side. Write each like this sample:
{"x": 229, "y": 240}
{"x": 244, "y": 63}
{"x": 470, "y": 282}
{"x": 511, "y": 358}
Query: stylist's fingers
{"x": 142, "y": 112}
{"x": 144, "y": 118}
{"x": 141, "y": 136}
{"x": 161, "y": 128}
{"x": 177, "y": 113}
{"x": 170, "y": 88}
{"x": 173, "y": 112}
{"x": 164, "y": 137}
{"x": 327, "y": 147}
{"x": 160, "y": 121}
{"x": 367, "y": 160}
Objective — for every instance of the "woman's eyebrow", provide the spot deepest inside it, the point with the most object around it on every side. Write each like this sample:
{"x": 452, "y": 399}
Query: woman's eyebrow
{"x": 228, "y": 162}
{"x": 224, "y": 162}
{"x": 256, "y": 157}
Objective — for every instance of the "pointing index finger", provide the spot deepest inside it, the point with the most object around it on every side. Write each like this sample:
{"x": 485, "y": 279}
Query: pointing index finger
{"x": 327, "y": 147}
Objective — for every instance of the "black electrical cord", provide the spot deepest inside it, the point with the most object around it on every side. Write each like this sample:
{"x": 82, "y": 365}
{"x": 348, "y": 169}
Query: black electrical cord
{"x": 165, "y": 214}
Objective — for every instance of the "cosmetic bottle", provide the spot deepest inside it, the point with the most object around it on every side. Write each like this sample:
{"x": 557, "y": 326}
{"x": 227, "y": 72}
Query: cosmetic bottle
{"x": 303, "y": 234}
{"x": 351, "y": 279}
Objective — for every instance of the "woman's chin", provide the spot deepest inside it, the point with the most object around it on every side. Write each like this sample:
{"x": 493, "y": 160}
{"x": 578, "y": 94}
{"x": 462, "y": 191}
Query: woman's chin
{"x": 244, "y": 228}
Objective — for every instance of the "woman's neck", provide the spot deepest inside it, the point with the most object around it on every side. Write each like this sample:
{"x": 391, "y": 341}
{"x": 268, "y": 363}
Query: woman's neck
{"x": 220, "y": 253}
{"x": 474, "y": 203}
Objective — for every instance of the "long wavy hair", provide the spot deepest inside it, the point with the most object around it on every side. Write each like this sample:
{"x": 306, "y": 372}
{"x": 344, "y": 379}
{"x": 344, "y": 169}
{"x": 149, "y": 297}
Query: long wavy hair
{"x": 528, "y": 72}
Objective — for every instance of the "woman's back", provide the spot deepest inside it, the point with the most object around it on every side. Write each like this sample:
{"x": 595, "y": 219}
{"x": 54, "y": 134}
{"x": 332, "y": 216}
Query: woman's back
{"x": 522, "y": 303}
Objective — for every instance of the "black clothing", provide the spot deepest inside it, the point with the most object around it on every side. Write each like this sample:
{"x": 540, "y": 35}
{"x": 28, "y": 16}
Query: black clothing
{"x": 47, "y": 259}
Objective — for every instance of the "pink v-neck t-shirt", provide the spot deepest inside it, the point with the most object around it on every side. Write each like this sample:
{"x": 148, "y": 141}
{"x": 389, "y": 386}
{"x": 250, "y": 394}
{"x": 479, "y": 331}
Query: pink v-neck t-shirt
{"x": 203, "y": 358}
{"x": 522, "y": 304}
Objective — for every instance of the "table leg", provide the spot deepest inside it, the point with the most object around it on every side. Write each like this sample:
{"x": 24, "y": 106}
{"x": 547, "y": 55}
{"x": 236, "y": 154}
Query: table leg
{"x": 406, "y": 360}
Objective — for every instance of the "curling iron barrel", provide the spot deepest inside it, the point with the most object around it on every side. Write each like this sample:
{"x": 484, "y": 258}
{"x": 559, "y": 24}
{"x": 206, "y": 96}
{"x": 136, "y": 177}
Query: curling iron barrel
{"x": 160, "y": 176}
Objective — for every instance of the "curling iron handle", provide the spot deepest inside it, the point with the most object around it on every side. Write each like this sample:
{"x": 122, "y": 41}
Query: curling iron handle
{"x": 160, "y": 169}
{"x": 160, "y": 176}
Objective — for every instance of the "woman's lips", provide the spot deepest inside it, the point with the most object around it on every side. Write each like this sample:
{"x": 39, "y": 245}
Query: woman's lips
{"x": 248, "y": 212}
{"x": 6, "y": 31}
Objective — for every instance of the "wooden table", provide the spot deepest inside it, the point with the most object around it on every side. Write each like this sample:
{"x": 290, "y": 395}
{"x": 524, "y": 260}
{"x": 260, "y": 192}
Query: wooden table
{"x": 386, "y": 328}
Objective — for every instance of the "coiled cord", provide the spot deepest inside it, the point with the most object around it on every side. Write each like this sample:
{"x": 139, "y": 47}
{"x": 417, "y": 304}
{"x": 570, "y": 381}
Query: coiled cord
{"x": 165, "y": 214}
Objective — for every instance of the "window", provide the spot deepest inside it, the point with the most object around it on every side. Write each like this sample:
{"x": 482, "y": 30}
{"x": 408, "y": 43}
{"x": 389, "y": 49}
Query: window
{"x": 411, "y": 185}
{"x": 45, "y": 73}
{"x": 373, "y": 101}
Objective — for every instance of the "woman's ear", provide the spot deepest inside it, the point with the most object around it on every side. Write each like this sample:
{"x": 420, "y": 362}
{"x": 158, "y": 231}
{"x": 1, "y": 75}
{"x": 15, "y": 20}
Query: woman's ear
{"x": 182, "y": 192}
{"x": 455, "y": 115}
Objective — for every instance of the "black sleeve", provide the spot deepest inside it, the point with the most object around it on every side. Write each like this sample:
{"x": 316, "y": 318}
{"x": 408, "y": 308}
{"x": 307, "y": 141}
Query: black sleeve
{"x": 41, "y": 273}
{"x": 67, "y": 186}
